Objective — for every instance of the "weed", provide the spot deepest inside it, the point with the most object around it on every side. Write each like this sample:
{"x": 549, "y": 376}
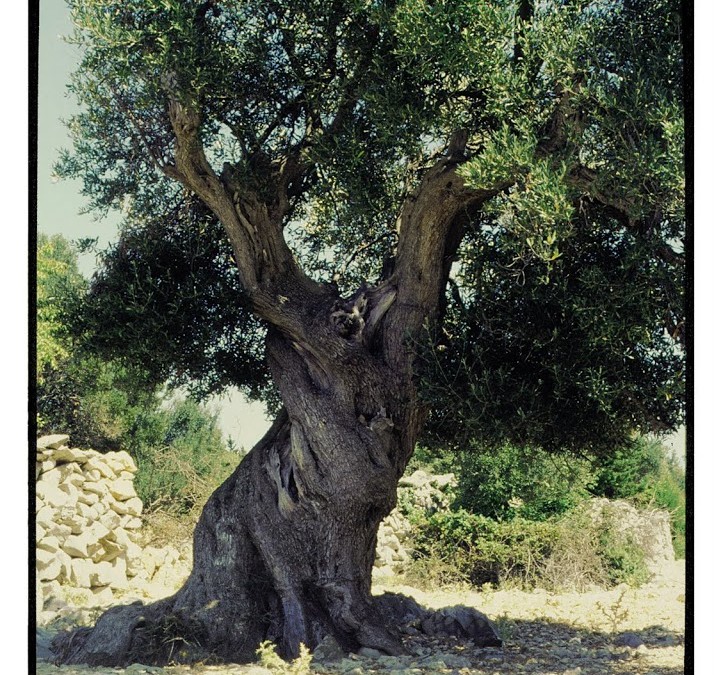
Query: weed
{"x": 269, "y": 658}
{"x": 616, "y": 613}
{"x": 506, "y": 627}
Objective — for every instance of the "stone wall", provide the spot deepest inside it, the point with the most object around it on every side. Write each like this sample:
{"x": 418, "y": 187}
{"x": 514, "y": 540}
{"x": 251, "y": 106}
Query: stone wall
{"x": 88, "y": 530}
{"x": 418, "y": 491}
{"x": 89, "y": 549}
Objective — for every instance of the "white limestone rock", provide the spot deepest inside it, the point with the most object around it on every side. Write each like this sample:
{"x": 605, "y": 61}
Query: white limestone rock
{"x": 81, "y": 574}
{"x": 89, "y": 498}
{"x": 45, "y": 517}
{"x": 52, "y": 441}
{"x": 110, "y": 520}
{"x": 51, "y": 544}
{"x": 102, "y": 596}
{"x": 122, "y": 490}
{"x": 121, "y": 461}
{"x": 132, "y": 507}
{"x": 101, "y": 465}
{"x": 69, "y": 455}
{"x": 98, "y": 487}
{"x": 51, "y": 494}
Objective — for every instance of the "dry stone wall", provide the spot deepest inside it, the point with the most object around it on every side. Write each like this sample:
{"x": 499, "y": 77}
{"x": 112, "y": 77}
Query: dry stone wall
{"x": 88, "y": 530}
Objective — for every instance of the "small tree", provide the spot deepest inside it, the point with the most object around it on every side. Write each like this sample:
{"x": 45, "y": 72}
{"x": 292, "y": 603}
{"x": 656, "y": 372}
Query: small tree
{"x": 299, "y": 180}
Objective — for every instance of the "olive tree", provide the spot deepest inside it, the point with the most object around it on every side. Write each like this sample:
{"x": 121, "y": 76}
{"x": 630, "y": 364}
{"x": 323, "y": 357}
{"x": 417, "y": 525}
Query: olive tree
{"x": 365, "y": 211}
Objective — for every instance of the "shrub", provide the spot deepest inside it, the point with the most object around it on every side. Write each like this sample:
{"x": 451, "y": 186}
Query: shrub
{"x": 649, "y": 475}
{"x": 480, "y": 550}
{"x": 592, "y": 551}
{"x": 571, "y": 552}
{"x": 530, "y": 483}
{"x": 180, "y": 456}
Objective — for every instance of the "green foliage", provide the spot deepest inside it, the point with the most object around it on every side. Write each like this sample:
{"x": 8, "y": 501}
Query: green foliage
{"x": 180, "y": 456}
{"x": 645, "y": 473}
{"x": 626, "y": 472}
{"x": 91, "y": 400}
{"x": 269, "y": 658}
{"x": 57, "y": 276}
{"x": 528, "y": 483}
{"x": 107, "y": 405}
{"x": 570, "y": 552}
{"x": 561, "y": 330}
{"x": 568, "y": 355}
{"x": 668, "y": 492}
{"x": 479, "y": 550}
{"x": 155, "y": 303}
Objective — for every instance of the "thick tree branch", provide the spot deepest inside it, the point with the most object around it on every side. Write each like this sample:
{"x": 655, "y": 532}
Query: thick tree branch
{"x": 430, "y": 230}
{"x": 267, "y": 269}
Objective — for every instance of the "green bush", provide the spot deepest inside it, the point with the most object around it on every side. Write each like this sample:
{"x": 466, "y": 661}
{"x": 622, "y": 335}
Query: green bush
{"x": 594, "y": 550}
{"x": 180, "y": 455}
{"x": 464, "y": 547}
{"x": 668, "y": 492}
{"x": 647, "y": 474}
{"x": 528, "y": 483}
{"x": 570, "y": 552}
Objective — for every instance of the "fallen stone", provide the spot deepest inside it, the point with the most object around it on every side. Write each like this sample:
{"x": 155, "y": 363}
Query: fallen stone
{"x": 96, "y": 486}
{"x": 51, "y": 494}
{"x": 328, "y": 651}
{"x": 47, "y": 565}
{"x": 132, "y": 507}
{"x": 100, "y": 465}
{"x": 76, "y": 545}
{"x": 69, "y": 455}
{"x": 45, "y": 517}
{"x": 81, "y": 572}
{"x": 629, "y": 640}
{"x": 89, "y": 498}
{"x": 122, "y": 461}
{"x": 58, "y": 530}
{"x": 51, "y": 544}
{"x": 130, "y": 522}
{"x": 92, "y": 475}
{"x": 122, "y": 490}
{"x": 103, "y": 596}
{"x": 462, "y": 621}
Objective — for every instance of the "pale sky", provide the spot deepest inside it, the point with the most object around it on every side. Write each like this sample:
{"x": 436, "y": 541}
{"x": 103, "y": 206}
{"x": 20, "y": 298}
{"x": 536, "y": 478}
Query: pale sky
{"x": 59, "y": 202}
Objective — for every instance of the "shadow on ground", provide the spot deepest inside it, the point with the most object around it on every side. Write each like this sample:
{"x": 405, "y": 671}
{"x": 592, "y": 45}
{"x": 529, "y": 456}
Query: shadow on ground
{"x": 545, "y": 646}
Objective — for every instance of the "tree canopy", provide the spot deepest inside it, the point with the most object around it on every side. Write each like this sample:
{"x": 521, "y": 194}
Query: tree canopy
{"x": 563, "y": 320}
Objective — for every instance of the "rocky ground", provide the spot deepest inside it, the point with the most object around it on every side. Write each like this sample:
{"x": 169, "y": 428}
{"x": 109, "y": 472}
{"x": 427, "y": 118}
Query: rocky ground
{"x": 619, "y": 631}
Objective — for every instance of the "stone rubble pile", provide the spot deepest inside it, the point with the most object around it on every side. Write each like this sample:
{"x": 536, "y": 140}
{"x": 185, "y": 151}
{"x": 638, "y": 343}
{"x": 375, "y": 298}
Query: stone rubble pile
{"x": 392, "y": 545}
{"x": 87, "y": 525}
{"x": 420, "y": 491}
{"x": 650, "y": 530}
{"x": 428, "y": 492}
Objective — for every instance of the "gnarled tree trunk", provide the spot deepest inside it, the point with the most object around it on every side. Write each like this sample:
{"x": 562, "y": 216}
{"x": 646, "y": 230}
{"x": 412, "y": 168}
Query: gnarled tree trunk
{"x": 284, "y": 548}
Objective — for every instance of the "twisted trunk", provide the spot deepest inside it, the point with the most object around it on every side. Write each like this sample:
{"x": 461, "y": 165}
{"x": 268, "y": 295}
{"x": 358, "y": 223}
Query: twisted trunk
{"x": 284, "y": 548}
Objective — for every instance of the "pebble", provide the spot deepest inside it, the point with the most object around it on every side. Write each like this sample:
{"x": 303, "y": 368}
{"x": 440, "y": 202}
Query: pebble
{"x": 629, "y": 640}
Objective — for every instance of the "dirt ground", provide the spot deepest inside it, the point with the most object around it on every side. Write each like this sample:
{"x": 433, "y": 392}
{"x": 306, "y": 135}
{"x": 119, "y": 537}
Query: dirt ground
{"x": 623, "y": 631}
